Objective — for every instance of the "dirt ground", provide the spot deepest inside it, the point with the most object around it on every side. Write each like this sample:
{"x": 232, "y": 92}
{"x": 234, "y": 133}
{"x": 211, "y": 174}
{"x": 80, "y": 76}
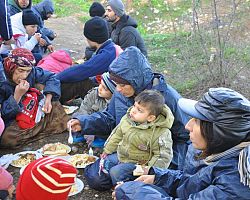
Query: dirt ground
{"x": 70, "y": 36}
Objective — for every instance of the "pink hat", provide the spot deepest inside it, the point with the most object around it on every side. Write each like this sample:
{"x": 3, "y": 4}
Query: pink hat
{"x": 46, "y": 178}
{"x": 1, "y": 126}
{"x": 6, "y": 179}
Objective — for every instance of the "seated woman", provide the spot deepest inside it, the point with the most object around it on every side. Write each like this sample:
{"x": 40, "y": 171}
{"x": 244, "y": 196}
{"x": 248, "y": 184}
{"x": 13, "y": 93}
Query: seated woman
{"x": 20, "y": 101}
{"x": 219, "y": 131}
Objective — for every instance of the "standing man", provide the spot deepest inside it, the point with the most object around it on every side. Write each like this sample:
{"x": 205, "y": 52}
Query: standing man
{"x": 123, "y": 32}
{"x": 5, "y": 31}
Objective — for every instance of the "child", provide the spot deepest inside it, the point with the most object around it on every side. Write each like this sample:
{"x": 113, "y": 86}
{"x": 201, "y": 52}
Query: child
{"x": 96, "y": 100}
{"x": 20, "y": 101}
{"x": 142, "y": 137}
{"x": 6, "y": 184}
{"x": 46, "y": 178}
{"x": 24, "y": 25}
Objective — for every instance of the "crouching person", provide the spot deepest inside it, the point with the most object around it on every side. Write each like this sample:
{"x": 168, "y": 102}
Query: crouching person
{"x": 22, "y": 105}
{"x": 142, "y": 138}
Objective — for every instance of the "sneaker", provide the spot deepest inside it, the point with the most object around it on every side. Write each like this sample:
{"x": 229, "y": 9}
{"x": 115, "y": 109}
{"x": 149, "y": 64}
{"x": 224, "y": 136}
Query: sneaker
{"x": 98, "y": 143}
{"x": 78, "y": 137}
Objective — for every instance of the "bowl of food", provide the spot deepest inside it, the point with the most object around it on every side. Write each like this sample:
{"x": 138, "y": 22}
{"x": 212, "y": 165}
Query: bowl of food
{"x": 55, "y": 149}
{"x": 82, "y": 160}
{"x": 24, "y": 158}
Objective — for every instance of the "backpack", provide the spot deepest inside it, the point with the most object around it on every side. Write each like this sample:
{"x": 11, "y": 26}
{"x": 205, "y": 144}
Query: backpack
{"x": 118, "y": 51}
{"x": 26, "y": 119}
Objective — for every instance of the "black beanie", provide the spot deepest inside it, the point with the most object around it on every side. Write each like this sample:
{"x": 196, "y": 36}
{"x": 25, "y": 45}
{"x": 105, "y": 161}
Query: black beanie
{"x": 29, "y": 17}
{"x": 96, "y": 9}
{"x": 96, "y": 30}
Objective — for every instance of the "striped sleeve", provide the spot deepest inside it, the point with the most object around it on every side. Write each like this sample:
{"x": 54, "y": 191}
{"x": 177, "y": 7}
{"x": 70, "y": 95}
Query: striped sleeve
{"x": 5, "y": 24}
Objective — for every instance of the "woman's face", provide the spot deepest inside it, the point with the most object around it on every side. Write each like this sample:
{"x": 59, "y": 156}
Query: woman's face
{"x": 31, "y": 29}
{"x": 21, "y": 73}
{"x": 196, "y": 138}
{"x": 125, "y": 90}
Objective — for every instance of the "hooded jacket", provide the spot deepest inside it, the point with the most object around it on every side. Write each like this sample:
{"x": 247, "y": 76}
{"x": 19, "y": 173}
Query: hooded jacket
{"x": 14, "y": 7}
{"x": 216, "y": 177}
{"x": 56, "y": 62}
{"x": 148, "y": 143}
{"x": 41, "y": 10}
{"x": 132, "y": 66}
{"x": 10, "y": 108}
{"x": 92, "y": 103}
{"x": 125, "y": 34}
{"x": 19, "y": 33}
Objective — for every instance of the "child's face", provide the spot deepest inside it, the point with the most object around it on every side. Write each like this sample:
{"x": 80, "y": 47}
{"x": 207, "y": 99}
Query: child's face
{"x": 31, "y": 29}
{"x": 141, "y": 114}
{"x": 103, "y": 91}
{"x": 21, "y": 73}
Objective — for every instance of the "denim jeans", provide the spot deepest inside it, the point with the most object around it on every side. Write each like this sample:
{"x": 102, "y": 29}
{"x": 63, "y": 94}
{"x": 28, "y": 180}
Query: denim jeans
{"x": 119, "y": 171}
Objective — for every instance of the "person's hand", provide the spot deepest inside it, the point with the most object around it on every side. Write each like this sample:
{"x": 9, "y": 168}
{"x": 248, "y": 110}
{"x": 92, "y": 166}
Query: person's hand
{"x": 118, "y": 185}
{"x": 75, "y": 125}
{"x": 42, "y": 42}
{"x": 38, "y": 36}
{"x": 146, "y": 179}
{"x": 103, "y": 155}
{"x": 89, "y": 139}
{"x": 47, "y": 104}
{"x": 9, "y": 42}
{"x": 145, "y": 169}
{"x": 51, "y": 48}
{"x": 11, "y": 190}
{"x": 21, "y": 89}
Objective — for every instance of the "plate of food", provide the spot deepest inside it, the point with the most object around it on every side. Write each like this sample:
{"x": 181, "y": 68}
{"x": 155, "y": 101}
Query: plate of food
{"x": 82, "y": 160}
{"x": 76, "y": 188}
{"x": 24, "y": 158}
{"x": 70, "y": 109}
{"x": 55, "y": 149}
{"x": 22, "y": 169}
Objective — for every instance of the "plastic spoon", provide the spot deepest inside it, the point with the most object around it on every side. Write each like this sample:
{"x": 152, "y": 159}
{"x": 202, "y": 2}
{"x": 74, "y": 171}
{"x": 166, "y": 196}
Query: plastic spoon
{"x": 70, "y": 139}
{"x": 91, "y": 153}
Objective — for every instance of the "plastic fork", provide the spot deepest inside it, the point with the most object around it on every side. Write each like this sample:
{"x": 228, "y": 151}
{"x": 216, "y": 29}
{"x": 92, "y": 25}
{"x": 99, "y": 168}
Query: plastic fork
{"x": 70, "y": 139}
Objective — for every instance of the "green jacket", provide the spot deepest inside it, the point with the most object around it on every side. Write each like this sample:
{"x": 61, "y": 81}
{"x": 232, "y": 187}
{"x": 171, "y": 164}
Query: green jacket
{"x": 149, "y": 143}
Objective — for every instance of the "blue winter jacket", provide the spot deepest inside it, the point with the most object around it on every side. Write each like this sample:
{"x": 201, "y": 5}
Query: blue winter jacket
{"x": 97, "y": 64}
{"x": 5, "y": 24}
{"x": 139, "y": 74}
{"x": 215, "y": 178}
{"x": 41, "y": 10}
{"x": 9, "y": 106}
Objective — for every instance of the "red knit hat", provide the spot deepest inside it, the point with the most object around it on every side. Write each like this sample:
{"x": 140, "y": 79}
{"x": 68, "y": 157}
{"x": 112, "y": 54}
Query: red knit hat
{"x": 46, "y": 178}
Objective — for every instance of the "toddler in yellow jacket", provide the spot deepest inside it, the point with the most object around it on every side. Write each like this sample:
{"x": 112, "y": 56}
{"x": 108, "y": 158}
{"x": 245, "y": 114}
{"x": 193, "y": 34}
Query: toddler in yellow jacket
{"x": 142, "y": 137}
